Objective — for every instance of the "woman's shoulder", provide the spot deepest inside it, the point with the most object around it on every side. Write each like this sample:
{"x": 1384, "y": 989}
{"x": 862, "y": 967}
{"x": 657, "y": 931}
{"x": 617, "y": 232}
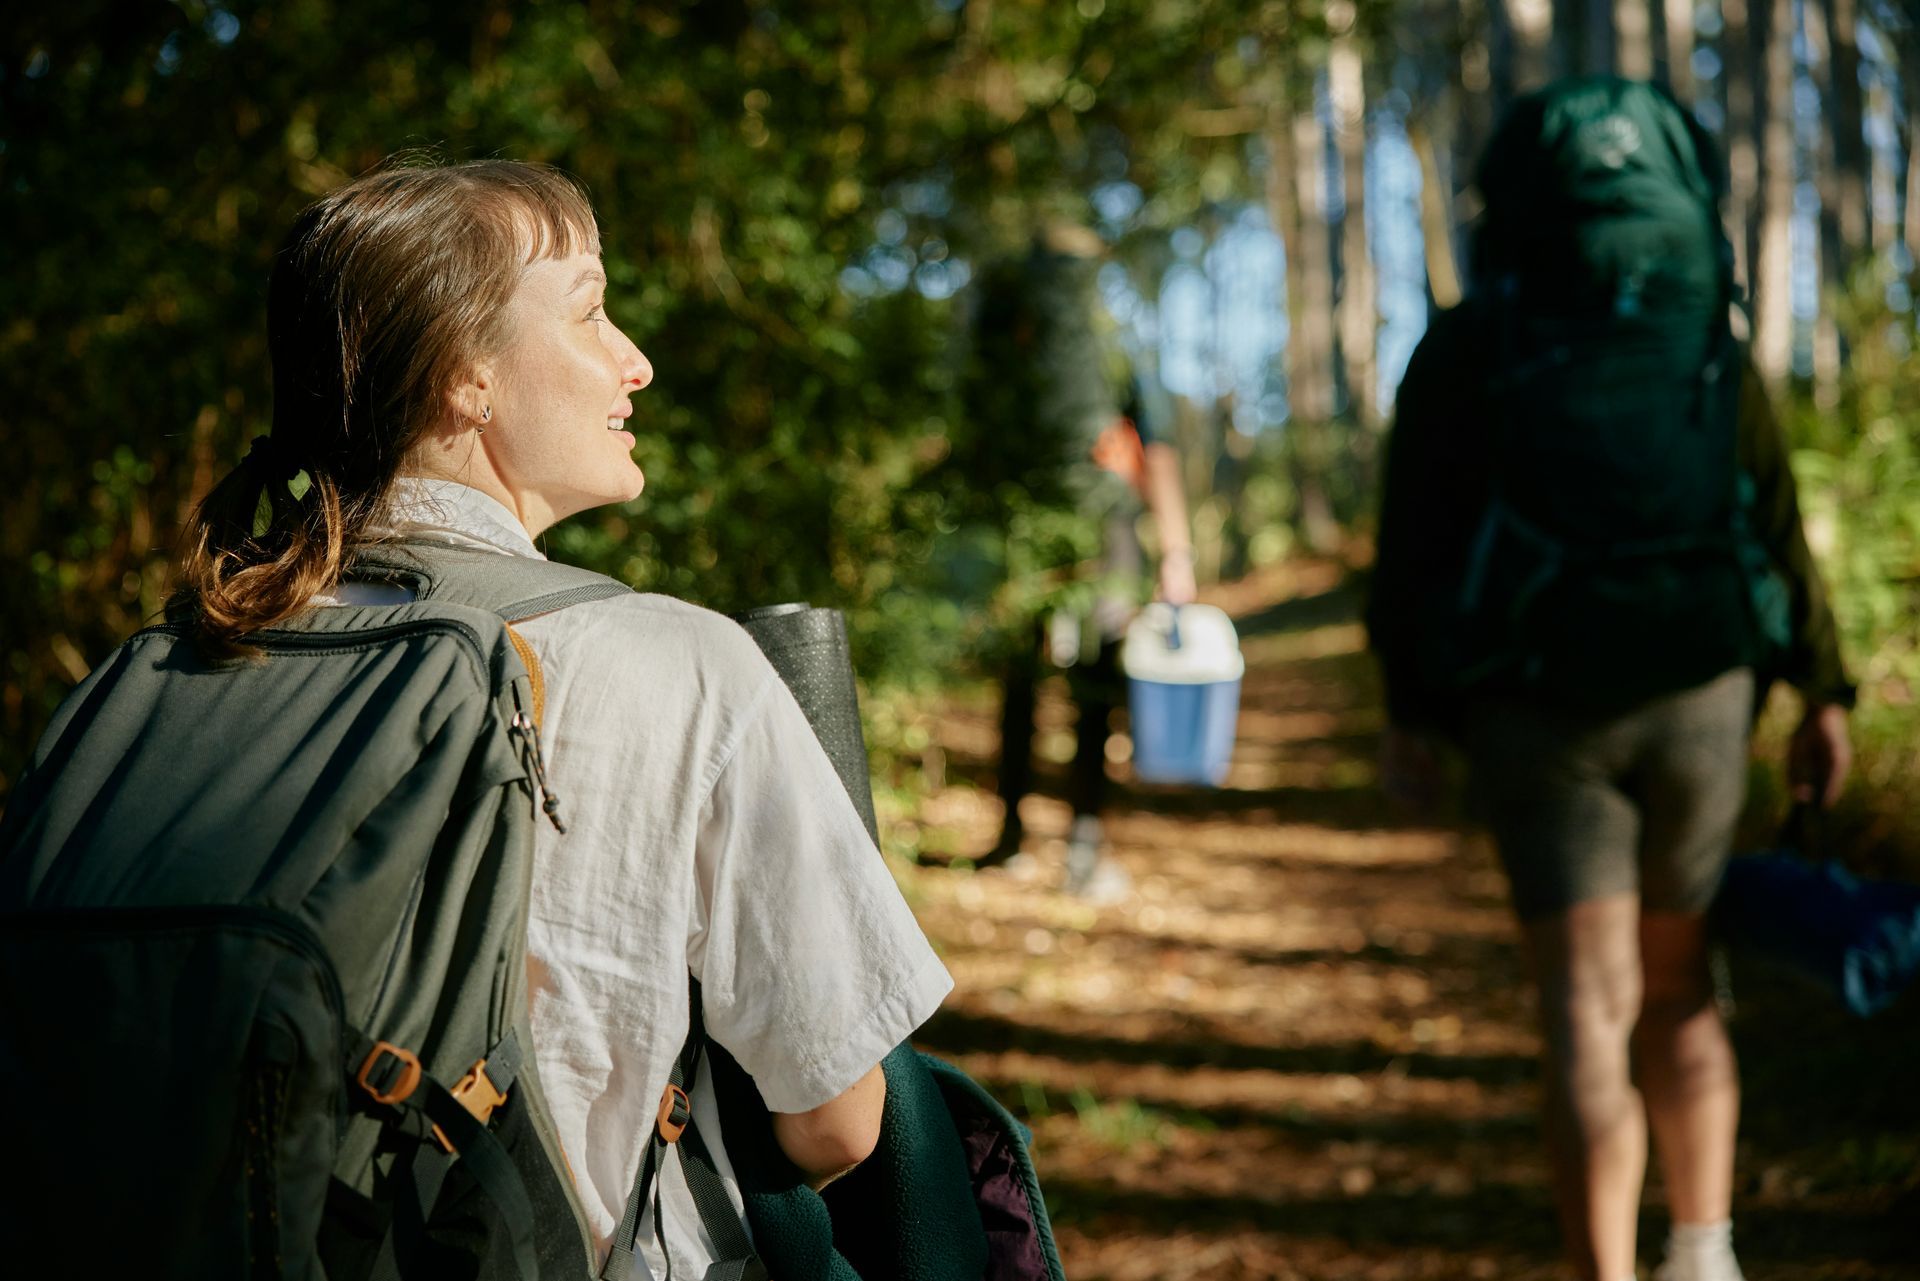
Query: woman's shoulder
{"x": 656, "y": 639}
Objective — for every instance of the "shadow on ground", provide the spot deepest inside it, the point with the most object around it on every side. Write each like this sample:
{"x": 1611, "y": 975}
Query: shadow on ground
{"x": 1301, "y": 1048}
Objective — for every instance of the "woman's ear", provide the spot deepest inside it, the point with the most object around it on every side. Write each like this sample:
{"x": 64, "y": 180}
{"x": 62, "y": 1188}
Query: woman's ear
{"x": 470, "y": 402}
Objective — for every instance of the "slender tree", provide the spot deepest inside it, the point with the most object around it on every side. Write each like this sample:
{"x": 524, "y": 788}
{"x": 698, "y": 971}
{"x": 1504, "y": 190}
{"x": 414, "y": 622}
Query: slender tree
{"x": 1831, "y": 68}
{"x": 1358, "y": 307}
{"x": 1565, "y": 32}
{"x": 1632, "y": 31}
{"x": 1846, "y": 197}
{"x": 1297, "y": 205}
{"x": 1910, "y": 63}
{"x": 1675, "y": 64}
{"x": 1772, "y": 289}
{"x": 1742, "y": 62}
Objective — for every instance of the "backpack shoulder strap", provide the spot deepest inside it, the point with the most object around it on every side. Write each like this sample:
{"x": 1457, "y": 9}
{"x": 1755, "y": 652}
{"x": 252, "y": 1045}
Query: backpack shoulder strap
{"x": 514, "y": 587}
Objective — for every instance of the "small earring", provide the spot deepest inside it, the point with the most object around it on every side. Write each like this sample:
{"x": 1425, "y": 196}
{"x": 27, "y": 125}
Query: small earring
{"x": 486, "y": 415}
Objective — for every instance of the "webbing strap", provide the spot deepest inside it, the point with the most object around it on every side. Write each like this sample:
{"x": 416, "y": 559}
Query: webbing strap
{"x": 472, "y": 1142}
{"x": 738, "y": 1262}
{"x": 521, "y": 610}
{"x": 417, "y": 1177}
{"x": 621, "y": 1261}
{"x": 504, "y": 1060}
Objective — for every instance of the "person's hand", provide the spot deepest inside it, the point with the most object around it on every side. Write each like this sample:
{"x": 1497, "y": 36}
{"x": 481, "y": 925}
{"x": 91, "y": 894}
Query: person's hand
{"x": 1410, "y": 770}
{"x": 1176, "y": 585}
{"x": 1819, "y": 756}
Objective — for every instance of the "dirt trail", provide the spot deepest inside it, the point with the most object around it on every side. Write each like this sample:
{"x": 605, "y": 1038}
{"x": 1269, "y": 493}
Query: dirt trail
{"x": 1302, "y": 1048}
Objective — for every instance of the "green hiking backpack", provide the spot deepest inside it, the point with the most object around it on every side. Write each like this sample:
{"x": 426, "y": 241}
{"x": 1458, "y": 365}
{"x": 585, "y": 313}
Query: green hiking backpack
{"x": 263, "y": 1003}
{"x": 1614, "y": 559}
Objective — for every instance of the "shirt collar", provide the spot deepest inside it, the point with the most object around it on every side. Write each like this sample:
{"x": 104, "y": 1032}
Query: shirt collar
{"x": 448, "y": 511}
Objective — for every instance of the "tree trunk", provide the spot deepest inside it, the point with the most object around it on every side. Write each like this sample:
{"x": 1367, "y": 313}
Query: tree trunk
{"x": 1533, "y": 35}
{"x": 1436, "y": 220}
{"x": 1563, "y": 39}
{"x": 1502, "y": 74}
{"x": 1296, "y": 202}
{"x": 1521, "y": 32}
{"x": 1910, "y": 61}
{"x": 1631, "y": 27}
{"x": 1834, "y": 257}
{"x": 1844, "y": 118}
{"x": 1883, "y": 181}
{"x": 1743, "y": 155}
{"x": 1675, "y": 63}
{"x": 1473, "y": 112}
{"x": 1358, "y": 307}
{"x": 1773, "y": 294}
{"x": 1598, "y": 45}
{"x": 1310, "y": 271}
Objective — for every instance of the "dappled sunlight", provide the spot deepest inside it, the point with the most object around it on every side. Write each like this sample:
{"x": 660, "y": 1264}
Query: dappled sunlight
{"x": 1302, "y": 1044}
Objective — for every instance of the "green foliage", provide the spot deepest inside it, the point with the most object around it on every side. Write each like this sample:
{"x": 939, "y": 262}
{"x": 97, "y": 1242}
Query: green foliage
{"x": 1858, "y": 465}
{"x": 800, "y": 439}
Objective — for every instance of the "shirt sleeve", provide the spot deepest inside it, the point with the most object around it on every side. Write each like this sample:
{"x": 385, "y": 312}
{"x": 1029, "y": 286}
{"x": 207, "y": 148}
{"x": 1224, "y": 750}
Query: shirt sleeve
{"x": 1812, "y": 661}
{"x": 811, "y": 966}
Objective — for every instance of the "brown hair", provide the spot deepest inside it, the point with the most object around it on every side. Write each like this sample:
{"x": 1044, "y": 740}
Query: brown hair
{"x": 384, "y": 294}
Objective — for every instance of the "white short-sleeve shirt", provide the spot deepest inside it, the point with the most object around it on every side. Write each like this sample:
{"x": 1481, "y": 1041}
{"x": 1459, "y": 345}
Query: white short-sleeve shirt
{"x": 706, "y": 832}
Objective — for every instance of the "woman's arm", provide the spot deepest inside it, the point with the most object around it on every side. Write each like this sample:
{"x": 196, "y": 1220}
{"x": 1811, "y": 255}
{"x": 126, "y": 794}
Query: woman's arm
{"x": 833, "y": 1138}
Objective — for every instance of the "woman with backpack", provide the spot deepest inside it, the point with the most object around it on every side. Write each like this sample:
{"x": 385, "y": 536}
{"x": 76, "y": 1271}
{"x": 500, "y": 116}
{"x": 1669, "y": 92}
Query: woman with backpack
{"x": 1590, "y": 568}
{"x": 448, "y": 384}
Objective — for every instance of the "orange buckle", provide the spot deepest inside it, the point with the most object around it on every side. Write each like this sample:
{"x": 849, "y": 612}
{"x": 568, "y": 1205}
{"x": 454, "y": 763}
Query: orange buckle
{"x": 402, "y": 1089}
{"x": 476, "y": 1093}
{"x": 676, "y": 1110}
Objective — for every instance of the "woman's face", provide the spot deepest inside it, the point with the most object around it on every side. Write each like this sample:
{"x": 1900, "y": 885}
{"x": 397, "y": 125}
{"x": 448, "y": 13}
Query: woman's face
{"x": 558, "y": 436}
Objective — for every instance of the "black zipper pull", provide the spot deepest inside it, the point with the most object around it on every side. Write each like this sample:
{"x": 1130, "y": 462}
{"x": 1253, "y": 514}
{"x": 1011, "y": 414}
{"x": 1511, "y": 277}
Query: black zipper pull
{"x": 537, "y": 765}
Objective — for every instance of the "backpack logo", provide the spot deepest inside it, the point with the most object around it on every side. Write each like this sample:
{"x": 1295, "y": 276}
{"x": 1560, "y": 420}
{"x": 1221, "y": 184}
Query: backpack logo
{"x": 1609, "y": 140}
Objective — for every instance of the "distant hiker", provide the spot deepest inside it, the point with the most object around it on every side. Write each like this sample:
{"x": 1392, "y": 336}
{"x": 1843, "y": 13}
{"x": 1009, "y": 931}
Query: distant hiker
{"x": 1064, "y": 416}
{"x": 1591, "y": 566}
{"x": 348, "y": 919}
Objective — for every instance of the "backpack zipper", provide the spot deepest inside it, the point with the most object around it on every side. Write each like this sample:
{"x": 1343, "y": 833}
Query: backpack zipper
{"x": 320, "y": 642}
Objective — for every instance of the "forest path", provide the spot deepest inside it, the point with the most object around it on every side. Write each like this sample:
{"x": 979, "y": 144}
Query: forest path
{"x": 1303, "y": 1046}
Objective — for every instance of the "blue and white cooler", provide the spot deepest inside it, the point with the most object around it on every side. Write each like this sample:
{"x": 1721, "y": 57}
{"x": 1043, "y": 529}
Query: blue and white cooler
{"x": 1183, "y": 669}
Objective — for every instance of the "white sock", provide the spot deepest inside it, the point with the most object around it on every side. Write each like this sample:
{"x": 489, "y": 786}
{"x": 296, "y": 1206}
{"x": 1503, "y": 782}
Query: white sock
{"x": 1701, "y": 1238}
{"x": 1702, "y": 1250}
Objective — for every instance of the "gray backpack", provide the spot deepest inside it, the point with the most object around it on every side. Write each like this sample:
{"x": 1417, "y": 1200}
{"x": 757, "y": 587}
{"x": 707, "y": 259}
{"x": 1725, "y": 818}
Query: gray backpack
{"x": 263, "y": 994}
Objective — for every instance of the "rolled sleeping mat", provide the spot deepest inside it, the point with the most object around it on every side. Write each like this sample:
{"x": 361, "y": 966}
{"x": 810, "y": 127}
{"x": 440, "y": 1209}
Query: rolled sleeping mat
{"x": 808, "y": 647}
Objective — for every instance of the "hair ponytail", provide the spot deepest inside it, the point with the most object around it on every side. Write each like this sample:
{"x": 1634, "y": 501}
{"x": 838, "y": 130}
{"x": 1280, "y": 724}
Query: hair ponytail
{"x": 387, "y": 290}
{"x": 263, "y": 543}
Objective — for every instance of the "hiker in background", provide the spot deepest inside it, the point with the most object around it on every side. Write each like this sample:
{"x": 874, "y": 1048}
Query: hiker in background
{"x": 1064, "y": 416}
{"x": 448, "y": 385}
{"x": 1591, "y": 567}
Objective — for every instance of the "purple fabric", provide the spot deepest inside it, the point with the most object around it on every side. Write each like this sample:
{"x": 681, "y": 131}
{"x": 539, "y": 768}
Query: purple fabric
{"x": 1013, "y": 1238}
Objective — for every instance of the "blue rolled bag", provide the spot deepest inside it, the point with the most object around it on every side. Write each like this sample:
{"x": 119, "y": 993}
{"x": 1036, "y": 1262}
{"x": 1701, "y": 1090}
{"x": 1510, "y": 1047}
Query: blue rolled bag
{"x": 950, "y": 1192}
{"x": 1858, "y": 938}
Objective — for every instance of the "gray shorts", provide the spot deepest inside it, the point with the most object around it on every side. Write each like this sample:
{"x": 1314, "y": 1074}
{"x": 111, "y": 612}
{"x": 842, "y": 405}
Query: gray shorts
{"x": 1584, "y": 806}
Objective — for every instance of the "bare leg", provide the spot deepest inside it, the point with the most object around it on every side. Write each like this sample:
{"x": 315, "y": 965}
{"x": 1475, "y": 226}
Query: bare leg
{"x": 1586, "y": 962}
{"x": 1687, "y": 1069}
